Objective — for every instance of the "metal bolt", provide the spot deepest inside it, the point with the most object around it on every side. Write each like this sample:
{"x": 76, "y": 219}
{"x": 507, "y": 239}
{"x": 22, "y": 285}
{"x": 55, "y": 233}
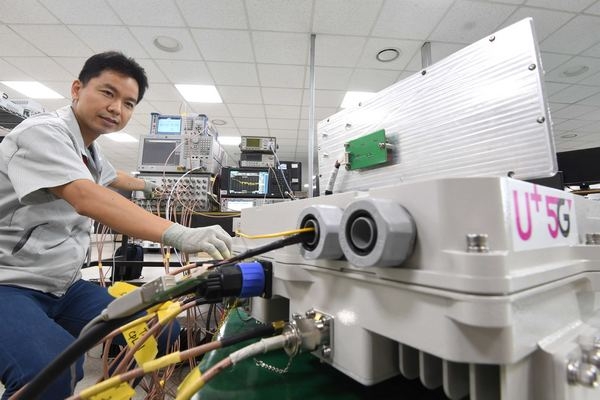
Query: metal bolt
{"x": 311, "y": 313}
{"x": 492, "y": 38}
{"x": 296, "y": 316}
{"x": 326, "y": 351}
{"x": 477, "y": 243}
{"x": 531, "y": 67}
{"x": 583, "y": 374}
{"x": 348, "y": 126}
{"x": 592, "y": 357}
{"x": 423, "y": 72}
{"x": 592, "y": 238}
{"x": 381, "y": 145}
{"x": 541, "y": 120}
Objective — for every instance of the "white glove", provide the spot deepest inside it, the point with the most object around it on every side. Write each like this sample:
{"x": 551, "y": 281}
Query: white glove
{"x": 149, "y": 188}
{"x": 211, "y": 239}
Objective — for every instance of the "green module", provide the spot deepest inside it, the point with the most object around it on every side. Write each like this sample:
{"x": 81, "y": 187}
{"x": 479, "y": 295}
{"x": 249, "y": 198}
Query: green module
{"x": 367, "y": 151}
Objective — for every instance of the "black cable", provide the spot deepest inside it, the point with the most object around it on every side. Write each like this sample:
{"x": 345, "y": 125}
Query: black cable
{"x": 65, "y": 359}
{"x": 261, "y": 331}
{"x": 278, "y": 244}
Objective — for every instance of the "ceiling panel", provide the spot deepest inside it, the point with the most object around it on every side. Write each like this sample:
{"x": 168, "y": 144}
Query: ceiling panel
{"x": 41, "y": 68}
{"x": 96, "y": 12}
{"x": 468, "y": 21}
{"x": 224, "y": 45}
{"x": 347, "y": 17}
{"x": 281, "y": 47}
{"x": 412, "y": 19}
{"x": 279, "y": 111}
{"x": 26, "y": 12}
{"x": 330, "y": 78}
{"x": 222, "y": 14}
{"x": 9, "y": 72}
{"x": 277, "y": 15}
{"x": 9, "y": 47}
{"x": 185, "y": 72}
{"x": 571, "y": 5}
{"x": 338, "y": 51}
{"x": 292, "y": 97}
{"x": 247, "y": 110}
{"x": 148, "y": 12}
{"x": 548, "y": 20}
{"x": 243, "y": 74}
{"x": 240, "y": 94}
{"x": 55, "y": 40}
{"x": 99, "y": 39}
{"x": 276, "y": 75}
{"x": 575, "y": 36}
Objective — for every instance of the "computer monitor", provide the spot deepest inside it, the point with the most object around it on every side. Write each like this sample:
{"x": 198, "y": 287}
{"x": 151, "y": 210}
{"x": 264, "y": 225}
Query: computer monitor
{"x": 580, "y": 167}
{"x": 159, "y": 154}
{"x": 241, "y": 182}
{"x": 168, "y": 125}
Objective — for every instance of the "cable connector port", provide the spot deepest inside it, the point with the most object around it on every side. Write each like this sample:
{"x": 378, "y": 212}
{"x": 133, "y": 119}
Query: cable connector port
{"x": 324, "y": 242}
{"x": 312, "y": 332}
{"x": 246, "y": 279}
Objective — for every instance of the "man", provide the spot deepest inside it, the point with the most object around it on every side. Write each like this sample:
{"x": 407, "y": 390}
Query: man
{"x": 52, "y": 184}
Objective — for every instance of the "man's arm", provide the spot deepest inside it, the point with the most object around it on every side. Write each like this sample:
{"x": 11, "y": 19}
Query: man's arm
{"x": 112, "y": 209}
{"x": 127, "y": 182}
{"x": 115, "y": 211}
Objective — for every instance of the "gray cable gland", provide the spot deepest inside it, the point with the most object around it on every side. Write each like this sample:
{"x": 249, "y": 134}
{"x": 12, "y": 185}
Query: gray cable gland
{"x": 388, "y": 226}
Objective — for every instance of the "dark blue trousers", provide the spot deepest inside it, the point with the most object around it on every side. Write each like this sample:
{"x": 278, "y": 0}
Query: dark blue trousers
{"x": 35, "y": 327}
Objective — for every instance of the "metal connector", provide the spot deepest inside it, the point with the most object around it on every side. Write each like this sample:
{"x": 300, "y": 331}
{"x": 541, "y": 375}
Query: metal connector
{"x": 139, "y": 299}
{"x": 313, "y": 332}
{"x": 580, "y": 373}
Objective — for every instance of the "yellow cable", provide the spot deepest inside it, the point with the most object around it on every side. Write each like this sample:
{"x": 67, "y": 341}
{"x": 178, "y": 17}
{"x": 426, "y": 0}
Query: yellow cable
{"x": 190, "y": 385}
{"x": 274, "y": 235}
{"x": 100, "y": 387}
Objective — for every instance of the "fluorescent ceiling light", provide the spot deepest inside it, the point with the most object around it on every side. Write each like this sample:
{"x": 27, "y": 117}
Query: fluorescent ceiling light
{"x": 34, "y": 90}
{"x": 199, "y": 93}
{"x": 352, "y": 99}
{"x": 121, "y": 137}
{"x": 230, "y": 140}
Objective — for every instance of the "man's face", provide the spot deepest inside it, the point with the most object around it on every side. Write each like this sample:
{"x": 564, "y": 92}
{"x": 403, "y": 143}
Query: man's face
{"x": 105, "y": 104}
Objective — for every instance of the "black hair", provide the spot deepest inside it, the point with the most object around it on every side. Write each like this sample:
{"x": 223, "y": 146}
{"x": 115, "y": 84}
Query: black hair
{"x": 118, "y": 62}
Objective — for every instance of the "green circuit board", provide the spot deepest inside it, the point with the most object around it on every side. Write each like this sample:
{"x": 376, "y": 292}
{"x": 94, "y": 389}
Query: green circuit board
{"x": 366, "y": 151}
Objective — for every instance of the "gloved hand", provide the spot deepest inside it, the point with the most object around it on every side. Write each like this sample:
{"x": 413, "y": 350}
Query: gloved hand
{"x": 149, "y": 189}
{"x": 211, "y": 239}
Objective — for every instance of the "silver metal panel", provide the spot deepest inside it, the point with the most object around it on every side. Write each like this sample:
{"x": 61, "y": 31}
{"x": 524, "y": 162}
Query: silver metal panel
{"x": 479, "y": 112}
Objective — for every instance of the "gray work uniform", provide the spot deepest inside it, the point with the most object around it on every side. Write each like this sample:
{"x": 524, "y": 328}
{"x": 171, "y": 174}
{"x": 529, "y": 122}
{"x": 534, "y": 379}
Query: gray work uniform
{"x": 43, "y": 241}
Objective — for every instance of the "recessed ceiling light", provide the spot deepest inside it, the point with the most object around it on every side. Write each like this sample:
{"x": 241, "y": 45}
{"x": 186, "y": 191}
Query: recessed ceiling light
{"x": 219, "y": 122}
{"x": 230, "y": 140}
{"x": 575, "y": 70}
{"x": 121, "y": 137}
{"x": 167, "y": 43}
{"x": 352, "y": 99}
{"x": 34, "y": 90}
{"x": 568, "y": 135}
{"x": 199, "y": 93}
{"x": 387, "y": 55}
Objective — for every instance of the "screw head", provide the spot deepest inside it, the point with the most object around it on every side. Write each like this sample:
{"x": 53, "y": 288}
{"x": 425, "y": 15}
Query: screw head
{"x": 326, "y": 351}
{"x": 541, "y": 120}
{"x": 531, "y": 67}
{"x": 492, "y": 38}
